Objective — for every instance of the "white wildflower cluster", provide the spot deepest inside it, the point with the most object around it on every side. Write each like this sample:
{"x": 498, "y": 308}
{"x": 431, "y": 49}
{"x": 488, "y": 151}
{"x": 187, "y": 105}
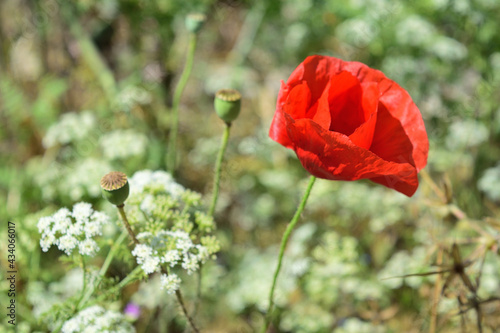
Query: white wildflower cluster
{"x": 121, "y": 144}
{"x": 69, "y": 230}
{"x": 96, "y": 319}
{"x": 77, "y": 186}
{"x": 170, "y": 283}
{"x": 356, "y": 325}
{"x": 66, "y": 181}
{"x": 489, "y": 183}
{"x": 405, "y": 263}
{"x": 173, "y": 231}
{"x": 357, "y": 32}
{"x": 466, "y": 133}
{"x": 159, "y": 179}
{"x": 415, "y": 30}
{"x": 131, "y": 96}
{"x": 72, "y": 126}
{"x": 172, "y": 248}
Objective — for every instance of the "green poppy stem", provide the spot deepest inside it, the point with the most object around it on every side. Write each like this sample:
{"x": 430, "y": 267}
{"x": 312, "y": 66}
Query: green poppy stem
{"x": 218, "y": 169}
{"x": 284, "y": 242}
{"x": 126, "y": 224}
{"x": 186, "y": 72}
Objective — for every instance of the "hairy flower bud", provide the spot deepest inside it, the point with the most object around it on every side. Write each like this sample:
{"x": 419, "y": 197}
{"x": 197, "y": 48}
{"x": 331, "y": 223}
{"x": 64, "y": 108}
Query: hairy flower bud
{"x": 115, "y": 187}
{"x": 227, "y": 104}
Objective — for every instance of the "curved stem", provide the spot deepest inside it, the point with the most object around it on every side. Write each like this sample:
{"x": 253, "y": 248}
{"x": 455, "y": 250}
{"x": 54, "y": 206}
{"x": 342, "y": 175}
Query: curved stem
{"x": 218, "y": 170}
{"x": 126, "y": 224}
{"x": 186, "y": 72}
{"x": 284, "y": 242}
{"x": 184, "y": 309}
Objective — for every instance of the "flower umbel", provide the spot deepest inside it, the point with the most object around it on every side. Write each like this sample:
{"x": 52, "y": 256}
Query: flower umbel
{"x": 70, "y": 230}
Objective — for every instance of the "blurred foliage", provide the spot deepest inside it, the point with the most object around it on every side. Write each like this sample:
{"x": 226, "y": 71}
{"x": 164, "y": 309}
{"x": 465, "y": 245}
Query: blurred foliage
{"x": 86, "y": 87}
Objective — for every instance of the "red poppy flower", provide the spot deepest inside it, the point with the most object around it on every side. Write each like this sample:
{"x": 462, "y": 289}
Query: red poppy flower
{"x": 347, "y": 121}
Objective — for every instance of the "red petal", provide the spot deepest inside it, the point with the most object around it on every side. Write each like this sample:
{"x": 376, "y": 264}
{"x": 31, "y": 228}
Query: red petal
{"x": 332, "y": 155}
{"x": 298, "y": 101}
{"x": 346, "y": 103}
{"x": 404, "y": 142}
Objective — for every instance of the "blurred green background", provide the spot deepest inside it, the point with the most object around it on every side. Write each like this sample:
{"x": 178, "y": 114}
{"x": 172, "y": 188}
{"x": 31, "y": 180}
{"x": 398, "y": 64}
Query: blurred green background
{"x": 86, "y": 87}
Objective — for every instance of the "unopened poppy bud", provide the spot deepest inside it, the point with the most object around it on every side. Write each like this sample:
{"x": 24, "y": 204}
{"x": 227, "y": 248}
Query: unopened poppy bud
{"x": 227, "y": 104}
{"x": 115, "y": 187}
{"x": 194, "y": 21}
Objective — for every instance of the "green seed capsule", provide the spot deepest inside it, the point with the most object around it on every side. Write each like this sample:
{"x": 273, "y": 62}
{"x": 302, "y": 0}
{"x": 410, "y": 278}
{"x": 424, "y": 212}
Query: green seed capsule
{"x": 227, "y": 104}
{"x": 194, "y": 21}
{"x": 115, "y": 187}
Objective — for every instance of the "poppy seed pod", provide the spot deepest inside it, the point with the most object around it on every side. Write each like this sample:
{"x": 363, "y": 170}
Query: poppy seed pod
{"x": 227, "y": 104}
{"x": 194, "y": 21}
{"x": 115, "y": 187}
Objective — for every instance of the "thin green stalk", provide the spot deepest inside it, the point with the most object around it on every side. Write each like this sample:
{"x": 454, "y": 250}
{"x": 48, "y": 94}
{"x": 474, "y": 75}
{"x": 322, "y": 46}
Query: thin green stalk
{"x": 122, "y": 284}
{"x": 89, "y": 52}
{"x": 103, "y": 270}
{"x": 218, "y": 169}
{"x": 126, "y": 224}
{"x": 186, "y": 72}
{"x": 84, "y": 269}
{"x": 284, "y": 242}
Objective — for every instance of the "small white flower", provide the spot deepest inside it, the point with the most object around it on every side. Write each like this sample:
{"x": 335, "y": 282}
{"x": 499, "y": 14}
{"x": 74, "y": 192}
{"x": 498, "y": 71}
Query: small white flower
{"x": 170, "y": 283}
{"x": 150, "y": 265}
{"x": 190, "y": 263}
{"x": 44, "y": 224}
{"x": 72, "y": 326}
{"x": 171, "y": 257}
{"x": 75, "y": 229}
{"x": 147, "y": 204}
{"x": 142, "y": 251}
{"x": 47, "y": 241}
{"x": 67, "y": 243}
{"x": 82, "y": 211}
{"x": 62, "y": 220}
{"x": 88, "y": 247}
{"x": 99, "y": 218}
{"x": 92, "y": 229}
{"x": 203, "y": 254}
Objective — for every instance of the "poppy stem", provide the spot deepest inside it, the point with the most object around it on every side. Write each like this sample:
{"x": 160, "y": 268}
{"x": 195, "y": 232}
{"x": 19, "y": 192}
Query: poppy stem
{"x": 186, "y": 72}
{"x": 284, "y": 242}
{"x": 218, "y": 169}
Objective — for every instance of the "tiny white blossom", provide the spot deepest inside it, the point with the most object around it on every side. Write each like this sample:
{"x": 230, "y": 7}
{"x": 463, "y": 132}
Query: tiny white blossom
{"x": 67, "y": 243}
{"x": 44, "y": 223}
{"x": 100, "y": 218}
{"x": 147, "y": 204}
{"x": 170, "y": 283}
{"x": 92, "y": 229}
{"x": 88, "y": 247}
{"x": 150, "y": 264}
{"x": 62, "y": 220}
{"x": 190, "y": 263}
{"x": 171, "y": 257}
{"x": 47, "y": 241}
{"x": 142, "y": 251}
{"x": 75, "y": 229}
{"x": 144, "y": 235}
{"x": 203, "y": 254}
{"x": 82, "y": 211}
